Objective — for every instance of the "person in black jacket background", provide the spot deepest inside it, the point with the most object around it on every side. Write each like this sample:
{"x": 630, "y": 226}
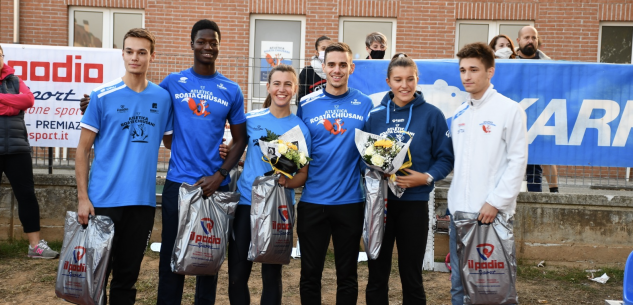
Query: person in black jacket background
{"x": 15, "y": 156}
{"x": 312, "y": 77}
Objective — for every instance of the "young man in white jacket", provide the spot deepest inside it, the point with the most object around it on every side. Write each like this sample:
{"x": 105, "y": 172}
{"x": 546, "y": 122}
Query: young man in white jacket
{"x": 490, "y": 145}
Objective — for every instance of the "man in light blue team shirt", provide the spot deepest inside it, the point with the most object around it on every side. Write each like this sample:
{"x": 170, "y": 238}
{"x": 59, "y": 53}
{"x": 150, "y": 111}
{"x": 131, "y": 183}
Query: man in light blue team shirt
{"x": 126, "y": 122}
{"x": 332, "y": 201}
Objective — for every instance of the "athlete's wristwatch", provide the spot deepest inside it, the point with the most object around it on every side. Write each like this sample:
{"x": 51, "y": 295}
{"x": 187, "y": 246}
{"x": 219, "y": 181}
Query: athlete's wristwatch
{"x": 223, "y": 172}
{"x": 429, "y": 180}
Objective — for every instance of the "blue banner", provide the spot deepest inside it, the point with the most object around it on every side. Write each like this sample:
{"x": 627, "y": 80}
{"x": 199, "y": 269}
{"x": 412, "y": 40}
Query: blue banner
{"x": 577, "y": 113}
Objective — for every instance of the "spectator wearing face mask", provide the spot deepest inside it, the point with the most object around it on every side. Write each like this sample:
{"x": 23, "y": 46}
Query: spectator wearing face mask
{"x": 312, "y": 77}
{"x": 503, "y": 47}
{"x": 376, "y": 45}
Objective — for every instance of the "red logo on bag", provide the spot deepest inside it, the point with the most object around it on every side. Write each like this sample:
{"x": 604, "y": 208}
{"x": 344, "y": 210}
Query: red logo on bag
{"x": 207, "y": 225}
{"x": 78, "y": 253}
{"x": 283, "y": 212}
{"x": 485, "y": 251}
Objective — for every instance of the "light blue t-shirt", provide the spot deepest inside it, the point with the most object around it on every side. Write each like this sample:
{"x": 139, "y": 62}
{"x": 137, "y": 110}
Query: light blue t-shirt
{"x": 334, "y": 172}
{"x": 202, "y": 104}
{"x": 256, "y": 124}
{"x": 129, "y": 126}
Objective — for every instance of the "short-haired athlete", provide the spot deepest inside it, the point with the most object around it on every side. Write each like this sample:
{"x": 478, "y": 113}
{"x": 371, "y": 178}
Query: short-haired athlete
{"x": 332, "y": 201}
{"x": 126, "y": 122}
{"x": 489, "y": 135}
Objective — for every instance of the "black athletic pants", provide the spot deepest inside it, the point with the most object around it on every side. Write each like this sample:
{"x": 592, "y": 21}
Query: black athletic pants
{"x": 315, "y": 224}
{"x": 170, "y": 285}
{"x": 408, "y": 225}
{"x": 132, "y": 230}
{"x": 19, "y": 171}
{"x": 240, "y": 266}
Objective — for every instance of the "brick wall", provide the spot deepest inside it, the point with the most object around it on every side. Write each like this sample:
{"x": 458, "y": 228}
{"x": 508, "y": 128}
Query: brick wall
{"x": 425, "y": 29}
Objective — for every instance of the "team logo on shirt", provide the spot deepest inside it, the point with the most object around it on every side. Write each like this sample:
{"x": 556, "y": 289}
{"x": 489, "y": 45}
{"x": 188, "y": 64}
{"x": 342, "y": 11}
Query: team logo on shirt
{"x": 138, "y": 126}
{"x": 221, "y": 86}
{"x": 122, "y": 109}
{"x": 355, "y": 102}
{"x": 154, "y": 108}
{"x": 199, "y": 109}
{"x": 259, "y": 128}
{"x": 487, "y": 126}
{"x": 183, "y": 80}
{"x": 336, "y": 128}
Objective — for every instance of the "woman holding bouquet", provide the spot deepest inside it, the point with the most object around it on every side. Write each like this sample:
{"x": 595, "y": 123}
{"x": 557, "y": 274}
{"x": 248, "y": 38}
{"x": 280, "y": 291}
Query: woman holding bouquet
{"x": 277, "y": 118}
{"x": 403, "y": 115}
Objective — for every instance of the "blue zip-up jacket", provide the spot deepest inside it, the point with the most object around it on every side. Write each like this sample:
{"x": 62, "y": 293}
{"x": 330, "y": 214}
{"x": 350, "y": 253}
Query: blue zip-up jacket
{"x": 431, "y": 147}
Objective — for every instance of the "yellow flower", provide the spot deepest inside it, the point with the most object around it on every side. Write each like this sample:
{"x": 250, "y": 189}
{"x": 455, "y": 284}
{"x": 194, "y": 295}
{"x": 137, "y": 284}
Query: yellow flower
{"x": 383, "y": 143}
{"x": 280, "y": 141}
{"x": 292, "y": 146}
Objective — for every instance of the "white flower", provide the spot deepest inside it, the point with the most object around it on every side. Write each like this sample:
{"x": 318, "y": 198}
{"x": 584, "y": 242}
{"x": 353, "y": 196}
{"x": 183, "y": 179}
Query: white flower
{"x": 282, "y": 148}
{"x": 302, "y": 158}
{"x": 377, "y": 160}
{"x": 369, "y": 151}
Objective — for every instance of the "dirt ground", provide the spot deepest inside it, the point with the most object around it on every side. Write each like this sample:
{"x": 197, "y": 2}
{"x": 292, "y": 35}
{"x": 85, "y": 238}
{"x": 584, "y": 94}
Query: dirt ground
{"x": 28, "y": 281}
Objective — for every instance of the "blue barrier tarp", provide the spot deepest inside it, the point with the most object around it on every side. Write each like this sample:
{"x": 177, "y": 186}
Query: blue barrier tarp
{"x": 577, "y": 113}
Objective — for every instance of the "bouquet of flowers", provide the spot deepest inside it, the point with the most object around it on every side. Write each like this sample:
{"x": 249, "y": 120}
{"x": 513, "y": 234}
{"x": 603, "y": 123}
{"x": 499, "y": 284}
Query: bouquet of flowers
{"x": 286, "y": 153}
{"x": 382, "y": 155}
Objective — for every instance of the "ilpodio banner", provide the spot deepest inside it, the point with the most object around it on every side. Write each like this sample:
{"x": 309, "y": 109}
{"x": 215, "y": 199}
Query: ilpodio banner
{"x": 487, "y": 259}
{"x": 571, "y": 120}
{"x": 83, "y": 261}
{"x": 58, "y": 78}
{"x": 203, "y": 230}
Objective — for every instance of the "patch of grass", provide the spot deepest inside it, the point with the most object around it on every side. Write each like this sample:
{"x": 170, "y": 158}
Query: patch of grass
{"x": 15, "y": 249}
{"x": 567, "y": 275}
{"x": 46, "y": 279}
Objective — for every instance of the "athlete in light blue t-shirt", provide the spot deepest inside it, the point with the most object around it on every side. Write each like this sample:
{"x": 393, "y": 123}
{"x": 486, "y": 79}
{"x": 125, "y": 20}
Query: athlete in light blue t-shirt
{"x": 257, "y": 122}
{"x": 126, "y": 121}
{"x": 276, "y": 117}
{"x": 332, "y": 200}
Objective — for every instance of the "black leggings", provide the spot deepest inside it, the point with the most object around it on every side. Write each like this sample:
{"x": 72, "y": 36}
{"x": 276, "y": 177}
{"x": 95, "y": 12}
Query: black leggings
{"x": 240, "y": 266}
{"x": 19, "y": 171}
{"x": 407, "y": 226}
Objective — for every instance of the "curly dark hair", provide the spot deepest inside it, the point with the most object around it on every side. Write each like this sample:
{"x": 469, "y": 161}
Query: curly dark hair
{"x": 478, "y": 50}
{"x": 205, "y": 24}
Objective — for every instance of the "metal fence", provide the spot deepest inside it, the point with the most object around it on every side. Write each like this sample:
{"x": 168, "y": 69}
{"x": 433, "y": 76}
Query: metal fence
{"x": 247, "y": 72}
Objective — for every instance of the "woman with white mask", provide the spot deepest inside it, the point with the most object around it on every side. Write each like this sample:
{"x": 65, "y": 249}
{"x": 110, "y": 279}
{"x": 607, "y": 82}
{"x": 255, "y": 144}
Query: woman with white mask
{"x": 503, "y": 47}
{"x": 312, "y": 77}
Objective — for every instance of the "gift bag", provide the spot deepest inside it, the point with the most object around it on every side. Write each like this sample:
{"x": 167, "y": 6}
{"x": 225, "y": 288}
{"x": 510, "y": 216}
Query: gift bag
{"x": 375, "y": 212}
{"x": 235, "y": 174}
{"x": 203, "y": 230}
{"x": 272, "y": 221}
{"x": 83, "y": 261}
{"x": 487, "y": 258}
